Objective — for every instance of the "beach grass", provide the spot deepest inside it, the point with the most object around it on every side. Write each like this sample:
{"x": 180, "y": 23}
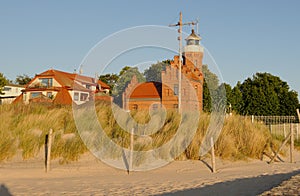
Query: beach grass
{"x": 24, "y": 127}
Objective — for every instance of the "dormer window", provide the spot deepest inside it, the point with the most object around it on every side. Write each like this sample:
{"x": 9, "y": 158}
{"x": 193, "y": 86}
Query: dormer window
{"x": 46, "y": 82}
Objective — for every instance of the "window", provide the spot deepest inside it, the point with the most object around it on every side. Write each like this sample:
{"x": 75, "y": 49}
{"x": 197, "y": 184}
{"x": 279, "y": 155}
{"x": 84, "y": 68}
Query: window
{"x": 83, "y": 96}
{"x": 191, "y": 42}
{"x": 35, "y": 95}
{"x": 49, "y": 95}
{"x": 76, "y": 96}
{"x": 135, "y": 107}
{"x": 6, "y": 89}
{"x": 46, "y": 82}
{"x": 175, "y": 89}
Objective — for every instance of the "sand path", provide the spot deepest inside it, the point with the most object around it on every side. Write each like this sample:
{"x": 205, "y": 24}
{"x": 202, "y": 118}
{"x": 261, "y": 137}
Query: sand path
{"x": 89, "y": 176}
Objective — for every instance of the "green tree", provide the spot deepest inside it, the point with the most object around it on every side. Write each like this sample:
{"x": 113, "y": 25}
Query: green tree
{"x": 109, "y": 79}
{"x": 153, "y": 73}
{"x": 125, "y": 77}
{"x": 206, "y": 98}
{"x": 236, "y": 99}
{"x": 3, "y": 82}
{"x": 210, "y": 89}
{"x": 224, "y": 90}
{"x": 124, "y": 69}
{"x": 212, "y": 79}
{"x": 265, "y": 94}
{"x": 23, "y": 79}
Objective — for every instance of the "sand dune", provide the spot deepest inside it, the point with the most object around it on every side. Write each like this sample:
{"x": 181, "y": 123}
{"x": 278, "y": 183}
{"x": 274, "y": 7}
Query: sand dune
{"x": 90, "y": 176}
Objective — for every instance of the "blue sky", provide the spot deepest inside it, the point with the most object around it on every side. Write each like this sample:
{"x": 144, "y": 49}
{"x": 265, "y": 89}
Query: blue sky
{"x": 244, "y": 37}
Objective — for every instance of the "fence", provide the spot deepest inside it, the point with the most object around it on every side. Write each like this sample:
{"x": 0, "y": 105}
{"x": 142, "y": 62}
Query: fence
{"x": 280, "y": 126}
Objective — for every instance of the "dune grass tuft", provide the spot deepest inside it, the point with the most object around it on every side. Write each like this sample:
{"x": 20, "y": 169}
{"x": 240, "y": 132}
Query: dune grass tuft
{"x": 24, "y": 127}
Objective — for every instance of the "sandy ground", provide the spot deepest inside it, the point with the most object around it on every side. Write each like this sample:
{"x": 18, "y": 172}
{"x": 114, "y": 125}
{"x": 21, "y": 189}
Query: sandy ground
{"x": 89, "y": 176}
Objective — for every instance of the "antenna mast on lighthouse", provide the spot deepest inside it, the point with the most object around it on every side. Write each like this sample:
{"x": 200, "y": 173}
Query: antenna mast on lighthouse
{"x": 180, "y": 24}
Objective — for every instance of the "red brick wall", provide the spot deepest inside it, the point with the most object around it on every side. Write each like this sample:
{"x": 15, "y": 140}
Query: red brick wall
{"x": 191, "y": 88}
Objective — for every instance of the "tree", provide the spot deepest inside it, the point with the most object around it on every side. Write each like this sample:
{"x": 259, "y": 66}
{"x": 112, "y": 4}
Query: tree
{"x": 210, "y": 88}
{"x": 124, "y": 69}
{"x": 3, "y": 82}
{"x": 109, "y": 79}
{"x": 124, "y": 79}
{"x": 224, "y": 90}
{"x": 265, "y": 94}
{"x": 211, "y": 78}
{"x": 153, "y": 73}
{"x": 206, "y": 98}
{"x": 236, "y": 99}
{"x": 23, "y": 79}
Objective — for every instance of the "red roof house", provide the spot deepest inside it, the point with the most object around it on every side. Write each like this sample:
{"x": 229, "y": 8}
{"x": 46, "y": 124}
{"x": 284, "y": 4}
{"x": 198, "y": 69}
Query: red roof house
{"x": 58, "y": 87}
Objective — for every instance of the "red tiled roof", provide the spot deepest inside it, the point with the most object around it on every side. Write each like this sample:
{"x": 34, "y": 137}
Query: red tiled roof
{"x": 78, "y": 87}
{"x": 103, "y": 85}
{"x": 64, "y": 78}
{"x": 147, "y": 90}
{"x": 67, "y": 79}
{"x": 63, "y": 97}
{"x": 18, "y": 99}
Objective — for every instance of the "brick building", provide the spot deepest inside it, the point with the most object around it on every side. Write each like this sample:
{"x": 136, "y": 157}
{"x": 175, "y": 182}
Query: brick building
{"x": 166, "y": 94}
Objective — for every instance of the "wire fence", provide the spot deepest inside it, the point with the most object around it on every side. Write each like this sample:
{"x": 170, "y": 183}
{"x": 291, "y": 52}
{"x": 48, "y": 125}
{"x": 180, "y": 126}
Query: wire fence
{"x": 280, "y": 126}
{"x": 274, "y": 120}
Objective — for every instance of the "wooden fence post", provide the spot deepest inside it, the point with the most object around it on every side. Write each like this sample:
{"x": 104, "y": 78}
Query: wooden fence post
{"x": 48, "y": 143}
{"x": 284, "y": 131}
{"x": 297, "y": 131}
{"x": 280, "y": 148}
{"x": 292, "y": 143}
{"x": 298, "y": 113}
{"x": 131, "y": 150}
{"x": 213, "y": 160}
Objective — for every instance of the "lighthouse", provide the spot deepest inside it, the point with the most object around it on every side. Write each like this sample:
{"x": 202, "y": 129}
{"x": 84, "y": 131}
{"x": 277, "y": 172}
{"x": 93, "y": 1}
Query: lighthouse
{"x": 193, "y": 51}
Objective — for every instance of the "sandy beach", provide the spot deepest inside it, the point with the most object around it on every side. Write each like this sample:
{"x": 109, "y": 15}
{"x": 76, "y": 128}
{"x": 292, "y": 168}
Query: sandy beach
{"x": 90, "y": 176}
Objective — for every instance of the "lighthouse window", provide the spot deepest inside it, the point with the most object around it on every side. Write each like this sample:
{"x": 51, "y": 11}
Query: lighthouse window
{"x": 175, "y": 89}
{"x": 191, "y": 42}
{"x": 197, "y": 42}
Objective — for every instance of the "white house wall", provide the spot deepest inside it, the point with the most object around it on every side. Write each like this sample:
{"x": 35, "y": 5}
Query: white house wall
{"x": 78, "y": 102}
{"x": 10, "y": 93}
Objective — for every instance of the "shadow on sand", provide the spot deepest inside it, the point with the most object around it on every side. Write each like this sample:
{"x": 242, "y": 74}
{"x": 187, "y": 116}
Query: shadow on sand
{"x": 244, "y": 186}
{"x": 4, "y": 191}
